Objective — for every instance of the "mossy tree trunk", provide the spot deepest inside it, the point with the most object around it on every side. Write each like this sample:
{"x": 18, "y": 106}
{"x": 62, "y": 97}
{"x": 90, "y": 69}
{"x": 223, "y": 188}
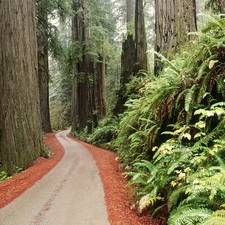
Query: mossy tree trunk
{"x": 174, "y": 20}
{"x": 21, "y": 137}
{"x": 43, "y": 69}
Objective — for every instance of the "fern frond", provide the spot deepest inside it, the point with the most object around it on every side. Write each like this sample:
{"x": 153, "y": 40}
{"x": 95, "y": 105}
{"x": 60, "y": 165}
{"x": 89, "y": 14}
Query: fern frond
{"x": 189, "y": 216}
{"x": 189, "y": 99}
{"x": 175, "y": 196}
{"x": 179, "y": 163}
{"x": 217, "y": 218}
{"x": 146, "y": 201}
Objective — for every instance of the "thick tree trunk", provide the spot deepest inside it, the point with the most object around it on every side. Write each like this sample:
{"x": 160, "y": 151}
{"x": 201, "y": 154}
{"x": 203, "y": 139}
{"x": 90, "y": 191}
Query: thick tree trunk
{"x": 43, "y": 71}
{"x": 140, "y": 37}
{"x": 128, "y": 59}
{"x": 77, "y": 24}
{"x": 134, "y": 55}
{"x": 174, "y": 19}
{"x": 21, "y": 137}
{"x": 81, "y": 102}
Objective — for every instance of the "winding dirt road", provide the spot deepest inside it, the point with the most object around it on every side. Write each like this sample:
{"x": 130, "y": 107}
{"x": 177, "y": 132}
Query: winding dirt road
{"x": 70, "y": 194}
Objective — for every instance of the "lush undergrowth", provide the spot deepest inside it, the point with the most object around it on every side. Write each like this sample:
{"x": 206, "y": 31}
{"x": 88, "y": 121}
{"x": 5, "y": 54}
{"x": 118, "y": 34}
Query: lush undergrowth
{"x": 171, "y": 137}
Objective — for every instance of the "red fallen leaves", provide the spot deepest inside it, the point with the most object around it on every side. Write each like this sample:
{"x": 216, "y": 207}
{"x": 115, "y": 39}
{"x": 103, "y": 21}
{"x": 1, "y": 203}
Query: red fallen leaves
{"x": 116, "y": 192}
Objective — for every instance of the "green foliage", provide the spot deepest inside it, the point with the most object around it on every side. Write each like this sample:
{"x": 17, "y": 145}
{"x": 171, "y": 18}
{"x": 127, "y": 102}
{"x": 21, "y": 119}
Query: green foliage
{"x": 217, "y": 218}
{"x": 3, "y": 176}
{"x": 190, "y": 178}
{"x": 105, "y": 132}
{"x": 149, "y": 179}
{"x": 183, "y": 86}
{"x": 171, "y": 136}
{"x": 214, "y": 5}
{"x": 189, "y": 216}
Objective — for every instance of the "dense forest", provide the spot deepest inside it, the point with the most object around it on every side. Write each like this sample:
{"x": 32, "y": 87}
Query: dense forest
{"x": 143, "y": 78}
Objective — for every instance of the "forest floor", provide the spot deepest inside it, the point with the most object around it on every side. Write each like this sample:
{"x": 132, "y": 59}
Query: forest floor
{"x": 114, "y": 184}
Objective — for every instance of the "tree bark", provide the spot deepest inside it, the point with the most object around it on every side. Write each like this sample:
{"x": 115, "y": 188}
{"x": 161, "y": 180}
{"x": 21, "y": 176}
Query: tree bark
{"x": 222, "y": 6}
{"x": 140, "y": 37}
{"x": 81, "y": 100}
{"x": 101, "y": 99}
{"x": 133, "y": 57}
{"x": 21, "y": 137}
{"x": 128, "y": 59}
{"x": 174, "y": 19}
{"x": 129, "y": 11}
{"x": 43, "y": 70}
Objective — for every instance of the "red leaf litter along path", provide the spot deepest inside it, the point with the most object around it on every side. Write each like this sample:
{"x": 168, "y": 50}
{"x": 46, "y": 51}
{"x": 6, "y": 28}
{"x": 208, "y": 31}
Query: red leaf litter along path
{"x": 116, "y": 192}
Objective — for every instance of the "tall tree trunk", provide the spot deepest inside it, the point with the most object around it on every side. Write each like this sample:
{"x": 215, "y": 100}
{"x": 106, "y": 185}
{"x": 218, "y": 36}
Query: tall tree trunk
{"x": 101, "y": 87}
{"x": 222, "y": 7}
{"x": 128, "y": 59}
{"x": 134, "y": 54}
{"x": 129, "y": 11}
{"x": 140, "y": 37}
{"x": 129, "y": 7}
{"x": 174, "y": 19}
{"x": 43, "y": 70}
{"x": 21, "y": 137}
{"x": 82, "y": 112}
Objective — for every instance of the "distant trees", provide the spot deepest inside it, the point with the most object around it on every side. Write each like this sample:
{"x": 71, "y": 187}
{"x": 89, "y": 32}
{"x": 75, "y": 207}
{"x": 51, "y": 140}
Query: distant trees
{"x": 134, "y": 51}
{"x": 89, "y": 33}
{"x": 49, "y": 45}
{"x": 20, "y": 124}
{"x": 174, "y": 20}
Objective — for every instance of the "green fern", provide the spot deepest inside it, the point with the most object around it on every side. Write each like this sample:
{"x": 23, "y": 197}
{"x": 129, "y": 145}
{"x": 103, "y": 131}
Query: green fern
{"x": 188, "y": 216}
{"x": 217, "y": 218}
{"x": 183, "y": 162}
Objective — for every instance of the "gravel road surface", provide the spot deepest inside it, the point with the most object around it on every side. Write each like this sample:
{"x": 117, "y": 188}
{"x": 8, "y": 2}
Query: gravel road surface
{"x": 70, "y": 194}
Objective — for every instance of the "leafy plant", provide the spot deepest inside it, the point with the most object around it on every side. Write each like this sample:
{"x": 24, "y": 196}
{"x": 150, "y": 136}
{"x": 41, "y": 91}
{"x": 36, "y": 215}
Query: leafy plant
{"x": 187, "y": 175}
{"x": 184, "y": 86}
{"x": 105, "y": 132}
{"x": 3, "y": 176}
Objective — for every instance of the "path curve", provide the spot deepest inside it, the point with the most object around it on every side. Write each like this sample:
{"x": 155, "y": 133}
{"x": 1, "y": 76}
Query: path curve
{"x": 70, "y": 194}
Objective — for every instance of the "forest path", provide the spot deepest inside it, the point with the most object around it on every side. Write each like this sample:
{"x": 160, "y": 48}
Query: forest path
{"x": 70, "y": 194}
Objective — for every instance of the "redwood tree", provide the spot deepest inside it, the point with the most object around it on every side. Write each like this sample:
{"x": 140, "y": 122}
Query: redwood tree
{"x": 134, "y": 52}
{"x": 101, "y": 87}
{"x": 174, "y": 19}
{"x": 20, "y": 124}
{"x": 91, "y": 29}
{"x": 83, "y": 68}
{"x": 43, "y": 69}
{"x": 140, "y": 37}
